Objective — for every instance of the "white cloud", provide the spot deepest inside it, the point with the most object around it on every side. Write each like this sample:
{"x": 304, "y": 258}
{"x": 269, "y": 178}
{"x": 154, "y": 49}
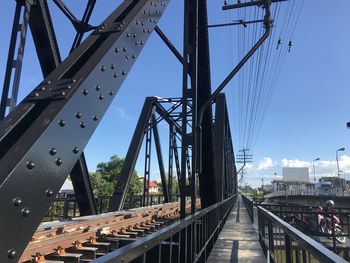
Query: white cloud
{"x": 294, "y": 163}
{"x": 265, "y": 163}
{"x": 270, "y": 169}
{"x": 121, "y": 113}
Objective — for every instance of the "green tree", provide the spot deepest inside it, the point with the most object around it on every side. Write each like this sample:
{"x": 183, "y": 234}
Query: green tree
{"x": 103, "y": 181}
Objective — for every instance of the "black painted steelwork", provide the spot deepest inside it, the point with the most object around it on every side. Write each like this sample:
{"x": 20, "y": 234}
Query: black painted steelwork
{"x": 49, "y": 129}
{"x": 20, "y": 26}
{"x": 282, "y": 242}
{"x": 167, "y": 244}
{"x": 37, "y": 15}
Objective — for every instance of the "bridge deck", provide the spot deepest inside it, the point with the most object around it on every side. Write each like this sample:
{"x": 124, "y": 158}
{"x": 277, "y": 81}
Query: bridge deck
{"x": 238, "y": 241}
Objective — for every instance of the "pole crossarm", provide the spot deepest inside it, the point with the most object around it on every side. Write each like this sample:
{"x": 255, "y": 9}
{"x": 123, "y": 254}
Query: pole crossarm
{"x": 49, "y": 129}
{"x": 248, "y": 4}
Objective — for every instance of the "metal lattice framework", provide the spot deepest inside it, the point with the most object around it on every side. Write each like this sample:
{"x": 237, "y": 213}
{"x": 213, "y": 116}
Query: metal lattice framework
{"x": 43, "y": 137}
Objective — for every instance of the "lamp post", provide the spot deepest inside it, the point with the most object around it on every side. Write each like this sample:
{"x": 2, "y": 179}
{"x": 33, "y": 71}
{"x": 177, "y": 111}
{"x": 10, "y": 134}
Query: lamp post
{"x": 313, "y": 166}
{"x": 336, "y": 155}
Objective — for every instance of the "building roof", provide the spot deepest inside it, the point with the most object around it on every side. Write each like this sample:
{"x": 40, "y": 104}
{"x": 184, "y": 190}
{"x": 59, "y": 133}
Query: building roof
{"x": 152, "y": 184}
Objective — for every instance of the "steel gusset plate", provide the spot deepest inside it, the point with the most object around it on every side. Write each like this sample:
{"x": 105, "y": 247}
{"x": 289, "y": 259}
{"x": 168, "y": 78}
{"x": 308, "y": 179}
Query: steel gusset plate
{"x": 42, "y": 138}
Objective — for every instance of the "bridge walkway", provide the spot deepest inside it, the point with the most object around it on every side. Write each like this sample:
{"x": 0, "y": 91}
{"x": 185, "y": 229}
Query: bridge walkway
{"x": 238, "y": 241}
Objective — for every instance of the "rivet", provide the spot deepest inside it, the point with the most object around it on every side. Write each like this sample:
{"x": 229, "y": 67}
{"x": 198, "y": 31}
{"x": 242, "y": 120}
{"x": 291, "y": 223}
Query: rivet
{"x": 35, "y": 94}
{"x": 102, "y": 68}
{"x": 17, "y": 201}
{"x": 98, "y": 87}
{"x": 78, "y": 115}
{"x": 62, "y": 123}
{"x": 125, "y": 49}
{"x": 111, "y": 93}
{"x": 116, "y": 50}
{"x": 62, "y": 93}
{"x": 74, "y": 80}
{"x": 137, "y": 22}
{"x": 69, "y": 86}
{"x": 59, "y": 161}
{"x": 11, "y": 253}
{"x": 82, "y": 125}
{"x": 134, "y": 35}
{"x": 127, "y": 57}
{"x": 115, "y": 75}
{"x": 25, "y": 212}
{"x": 100, "y": 97}
{"x": 112, "y": 66}
{"x": 85, "y": 92}
{"x": 49, "y": 192}
{"x": 123, "y": 72}
{"x": 42, "y": 88}
{"x": 133, "y": 56}
{"x": 141, "y": 43}
{"x": 30, "y": 165}
{"x": 75, "y": 150}
{"x": 53, "y": 151}
{"x": 128, "y": 34}
{"x": 95, "y": 118}
{"x": 143, "y": 23}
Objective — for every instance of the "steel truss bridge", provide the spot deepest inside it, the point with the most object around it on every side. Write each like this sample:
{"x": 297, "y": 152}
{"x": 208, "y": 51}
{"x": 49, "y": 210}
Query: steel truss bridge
{"x": 42, "y": 138}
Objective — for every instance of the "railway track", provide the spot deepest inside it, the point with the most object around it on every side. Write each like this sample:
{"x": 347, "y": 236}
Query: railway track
{"x": 84, "y": 239}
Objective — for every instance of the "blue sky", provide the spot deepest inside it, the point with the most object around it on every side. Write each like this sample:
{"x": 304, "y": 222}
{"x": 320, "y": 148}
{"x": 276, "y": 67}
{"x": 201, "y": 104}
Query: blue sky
{"x": 307, "y": 114}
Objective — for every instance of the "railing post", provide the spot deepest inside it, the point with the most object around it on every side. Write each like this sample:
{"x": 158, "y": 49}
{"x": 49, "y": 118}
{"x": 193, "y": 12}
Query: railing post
{"x": 65, "y": 209}
{"x": 270, "y": 234}
{"x": 288, "y": 248}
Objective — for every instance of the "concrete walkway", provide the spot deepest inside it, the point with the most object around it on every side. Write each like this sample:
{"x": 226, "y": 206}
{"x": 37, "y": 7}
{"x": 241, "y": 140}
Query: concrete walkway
{"x": 238, "y": 241}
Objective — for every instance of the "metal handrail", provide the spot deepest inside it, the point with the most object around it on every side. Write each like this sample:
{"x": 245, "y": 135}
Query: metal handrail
{"x": 143, "y": 245}
{"x": 317, "y": 250}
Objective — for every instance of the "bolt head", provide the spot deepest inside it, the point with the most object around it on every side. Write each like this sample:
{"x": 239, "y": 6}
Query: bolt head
{"x": 11, "y": 253}
{"x": 85, "y": 92}
{"x": 75, "y": 150}
{"x": 49, "y": 192}
{"x": 17, "y": 201}
{"x": 95, "y": 118}
{"x": 53, "y": 151}
{"x": 59, "y": 161}
{"x": 30, "y": 165}
{"x": 25, "y": 212}
{"x": 100, "y": 97}
{"x": 82, "y": 125}
{"x": 78, "y": 115}
{"x": 62, "y": 123}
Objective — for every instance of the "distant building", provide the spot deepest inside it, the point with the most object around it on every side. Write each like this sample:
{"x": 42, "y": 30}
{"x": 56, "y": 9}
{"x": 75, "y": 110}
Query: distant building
{"x": 295, "y": 174}
{"x": 153, "y": 188}
{"x": 332, "y": 185}
{"x": 67, "y": 190}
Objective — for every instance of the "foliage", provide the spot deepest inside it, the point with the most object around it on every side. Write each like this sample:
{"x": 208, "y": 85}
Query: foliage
{"x": 103, "y": 181}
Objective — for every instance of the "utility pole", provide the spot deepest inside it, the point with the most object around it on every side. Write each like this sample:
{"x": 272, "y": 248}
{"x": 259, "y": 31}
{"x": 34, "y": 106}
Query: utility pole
{"x": 244, "y": 158}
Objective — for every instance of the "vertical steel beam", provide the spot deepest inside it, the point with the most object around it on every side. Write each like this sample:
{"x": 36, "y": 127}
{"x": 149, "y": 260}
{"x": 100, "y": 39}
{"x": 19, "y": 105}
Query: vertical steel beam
{"x": 12, "y": 63}
{"x": 207, "y": 176}
{"x": 147, "y": 170}
{"x": 220, "y": 154}
{"x": 171, "y": 161}
{"x": 160, "y": 160}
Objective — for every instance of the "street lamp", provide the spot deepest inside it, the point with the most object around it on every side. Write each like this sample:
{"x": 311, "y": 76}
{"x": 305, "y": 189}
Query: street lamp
{"x": 336, "y": 155}
{"x": 313, "y": 166}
